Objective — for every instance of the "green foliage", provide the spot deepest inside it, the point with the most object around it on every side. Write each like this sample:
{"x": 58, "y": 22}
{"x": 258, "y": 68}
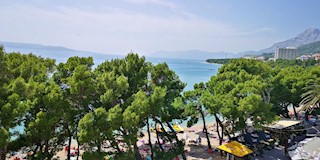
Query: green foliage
{"x": 163, "y": 77}
{"x": 125, "y": 156}
{"x": 311, "y": 96}
{"x": 93, "y": 155}
{"x": 95, "y": 128}
{"x": 237, "y": 93}
{"x": 192, "y": 106}
{"x": 18, "y": 143}
{"x": 115, "y": 100}
{"x": 267, "y": 56}
{"x": 29, "y": 66}
{"x": 288, "y": 87}
{"x": 20, "y": 81}
{"x": 282, "y": 63}
{"x": 120, "y": 84}
{"x": 4, "y": 137}
{"x": 77, "y": 84}
{"x": 70, "y": 100}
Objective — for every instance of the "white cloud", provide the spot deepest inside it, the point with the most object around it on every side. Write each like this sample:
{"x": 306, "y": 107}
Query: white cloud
{"x": 116, "y": 30}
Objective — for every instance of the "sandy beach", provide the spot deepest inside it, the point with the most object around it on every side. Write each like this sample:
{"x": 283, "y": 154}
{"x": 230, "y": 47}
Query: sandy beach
{"x": 194, "y": 151}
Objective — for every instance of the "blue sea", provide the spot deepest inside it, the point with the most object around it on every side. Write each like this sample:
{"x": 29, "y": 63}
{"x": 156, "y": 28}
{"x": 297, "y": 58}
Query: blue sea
{"x": 189, "y": 71}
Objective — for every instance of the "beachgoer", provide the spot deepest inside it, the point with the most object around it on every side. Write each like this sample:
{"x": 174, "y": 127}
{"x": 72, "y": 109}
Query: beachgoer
{"x": 16, "y": 158}
{"x": 148, "y": 158}
{"x": 199, "y": 139}
{"x": 66, "y": 148}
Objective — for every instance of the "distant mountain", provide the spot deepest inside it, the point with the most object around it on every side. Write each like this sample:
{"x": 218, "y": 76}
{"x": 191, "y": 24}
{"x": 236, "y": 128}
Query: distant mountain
{"x": 248, "y": 53}
{"x": 33, "y": 46}
{"x": 308, "y": 36}
{"x": 311, "y": 48}
{"x": 192, "y": 54}
{"x": 57, "y": 52}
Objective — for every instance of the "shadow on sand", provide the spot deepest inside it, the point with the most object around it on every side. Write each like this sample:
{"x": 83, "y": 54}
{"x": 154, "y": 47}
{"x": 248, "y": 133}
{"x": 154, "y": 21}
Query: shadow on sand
{"x": 200, "y": 151}
{"x": 203, "y": 135}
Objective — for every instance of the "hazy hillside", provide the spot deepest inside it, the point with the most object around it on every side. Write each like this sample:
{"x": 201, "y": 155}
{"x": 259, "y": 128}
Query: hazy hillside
{"x": 308, "y": 36}
{"x": 57, "y": 52}
{"x": 301, "y": 50}
{"x": 307, "y": 42}
{"x": 309, "y": 48}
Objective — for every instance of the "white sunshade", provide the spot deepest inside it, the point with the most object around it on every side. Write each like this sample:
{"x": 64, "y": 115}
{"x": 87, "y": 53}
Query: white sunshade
{"x": 284, "y": 123}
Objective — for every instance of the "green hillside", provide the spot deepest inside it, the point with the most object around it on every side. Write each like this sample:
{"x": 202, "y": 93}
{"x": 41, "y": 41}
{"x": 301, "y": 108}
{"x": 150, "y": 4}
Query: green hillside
{"x": 309, "y": 48}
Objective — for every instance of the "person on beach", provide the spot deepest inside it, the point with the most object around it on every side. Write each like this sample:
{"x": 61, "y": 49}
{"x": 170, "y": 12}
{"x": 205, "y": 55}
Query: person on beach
{"x": 66, "y": 148}
{"x": 186, "y": 137}
{"x": 198, "y": 141}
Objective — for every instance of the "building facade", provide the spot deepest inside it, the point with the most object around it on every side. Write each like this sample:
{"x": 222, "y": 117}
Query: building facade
{"x": 286, "y": 53}
{"x": 316, "y": 56}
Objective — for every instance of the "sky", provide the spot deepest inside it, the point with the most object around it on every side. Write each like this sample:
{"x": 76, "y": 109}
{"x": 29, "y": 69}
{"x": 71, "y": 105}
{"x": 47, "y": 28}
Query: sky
{"x": 147, "y": 26}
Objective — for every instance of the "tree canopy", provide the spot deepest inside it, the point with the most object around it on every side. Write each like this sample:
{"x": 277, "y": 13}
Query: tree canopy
{"x": 108, "y": 106}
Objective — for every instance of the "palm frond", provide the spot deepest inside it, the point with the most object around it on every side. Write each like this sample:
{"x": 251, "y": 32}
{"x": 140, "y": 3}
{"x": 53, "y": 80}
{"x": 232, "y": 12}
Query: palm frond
{"x": 311, "y": 98}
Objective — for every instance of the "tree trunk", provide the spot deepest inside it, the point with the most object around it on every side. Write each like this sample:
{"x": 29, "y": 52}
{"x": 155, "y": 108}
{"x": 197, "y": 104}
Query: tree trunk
{"x": 158, "y": 139}
{"x": 41, "y": 148}
{"x": 69, "y": 146}
{"x": 46, "y": 147}
{"x": 221, "y": 140}
{"x": 177, "y": 140}
{"x": 77, "y": 138}
{"x": 306, "y": 115}
{"x": 218, "y": 131}
{"x": 286, "y": 114}
{"x": 99, "y": 147}
{"x": 295, "y": 112}
{"x": 35, "y": 151}
{"x": 136, "y": 152}
{"x": 266, "y": 95}
{"x": 149, "y": 138}
{"x": 4, "y": 153}
{"x": 78, "y": 149}
{"x": 285, "y": 144}
{"x": 205, "y": 129}
{"x": 222, "y": 128}
{"x": 164, "y": 131}
{"x": 114, "y": 143}
{"x": 228, "y": 134}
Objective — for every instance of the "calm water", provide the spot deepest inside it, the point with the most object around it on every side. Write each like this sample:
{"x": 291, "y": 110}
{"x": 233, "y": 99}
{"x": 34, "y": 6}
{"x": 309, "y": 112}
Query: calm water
{"x": 189, "y": 71}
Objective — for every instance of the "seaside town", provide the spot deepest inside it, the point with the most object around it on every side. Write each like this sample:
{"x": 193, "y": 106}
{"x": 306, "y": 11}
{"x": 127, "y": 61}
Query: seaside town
{"x": 159, "y": 80}
{"x": 292, "y": 134}
{"x": 288, "y": 53}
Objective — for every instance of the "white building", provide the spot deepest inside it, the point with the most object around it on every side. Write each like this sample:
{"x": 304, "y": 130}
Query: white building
{"x": 316, "y": 56}
{"x": 304, "y": 57}
{"x": 260, "y": 58}
{"x": 286, "y": 53}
